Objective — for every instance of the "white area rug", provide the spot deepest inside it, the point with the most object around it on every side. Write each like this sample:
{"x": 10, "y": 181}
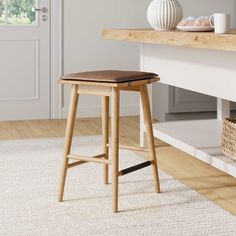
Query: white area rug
{"x": 29, "y": 174}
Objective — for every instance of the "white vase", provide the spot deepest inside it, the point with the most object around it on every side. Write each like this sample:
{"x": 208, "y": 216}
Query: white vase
{"x": 164, "y": 14}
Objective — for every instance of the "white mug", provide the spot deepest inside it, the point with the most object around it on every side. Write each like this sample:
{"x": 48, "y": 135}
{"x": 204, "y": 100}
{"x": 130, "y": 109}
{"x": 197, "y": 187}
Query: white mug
{"x": 222, "y": 22}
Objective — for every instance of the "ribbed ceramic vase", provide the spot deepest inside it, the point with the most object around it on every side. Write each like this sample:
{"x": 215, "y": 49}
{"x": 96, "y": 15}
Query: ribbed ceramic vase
{"x": 164, "y": 14}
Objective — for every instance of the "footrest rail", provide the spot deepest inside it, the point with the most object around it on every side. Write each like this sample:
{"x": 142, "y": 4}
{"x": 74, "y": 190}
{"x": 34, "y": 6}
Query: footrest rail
{"x": 134, "y": 168}
{"x": 95, "y": 159}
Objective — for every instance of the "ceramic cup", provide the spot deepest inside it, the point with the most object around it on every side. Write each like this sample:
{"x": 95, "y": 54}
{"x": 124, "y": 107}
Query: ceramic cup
{"x": 220, "y": 22}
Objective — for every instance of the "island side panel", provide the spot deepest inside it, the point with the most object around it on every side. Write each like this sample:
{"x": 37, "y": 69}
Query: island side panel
{"x": 200, "y": 70}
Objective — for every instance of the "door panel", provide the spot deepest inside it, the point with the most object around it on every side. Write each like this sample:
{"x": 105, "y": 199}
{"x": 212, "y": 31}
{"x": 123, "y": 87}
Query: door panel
{"x": 182, "y": 100}
{"x": 24, "y": 61}
{"x": 28, "y": 80}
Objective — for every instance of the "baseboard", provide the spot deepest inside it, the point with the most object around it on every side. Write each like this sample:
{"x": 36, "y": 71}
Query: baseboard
{"x": 96, "y": 111}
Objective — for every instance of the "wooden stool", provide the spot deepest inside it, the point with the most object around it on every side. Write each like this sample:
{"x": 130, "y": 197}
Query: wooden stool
{"x": 109, "y": 84}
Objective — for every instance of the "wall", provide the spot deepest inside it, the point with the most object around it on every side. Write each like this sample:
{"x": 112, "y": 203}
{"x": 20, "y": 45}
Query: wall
{"x": 208, "y": 7}
{"x": 85, "y": 49}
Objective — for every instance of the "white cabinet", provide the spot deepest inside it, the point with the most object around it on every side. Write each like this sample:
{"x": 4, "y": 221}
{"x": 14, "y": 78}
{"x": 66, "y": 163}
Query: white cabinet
{"x": 172, "y": 103}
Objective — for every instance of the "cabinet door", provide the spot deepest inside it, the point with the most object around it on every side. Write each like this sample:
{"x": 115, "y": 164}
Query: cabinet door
{"x": 181, "y": 100}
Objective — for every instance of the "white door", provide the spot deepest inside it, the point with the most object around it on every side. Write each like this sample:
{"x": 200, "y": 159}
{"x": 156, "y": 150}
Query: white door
{"x": 24, "y": 59}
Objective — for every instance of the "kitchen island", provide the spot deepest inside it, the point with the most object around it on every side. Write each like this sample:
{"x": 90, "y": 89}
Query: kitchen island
{"x": 197, "y": 61}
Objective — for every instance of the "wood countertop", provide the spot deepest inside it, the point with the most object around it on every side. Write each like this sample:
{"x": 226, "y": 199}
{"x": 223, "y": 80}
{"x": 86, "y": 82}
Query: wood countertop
{"x": 208, "y": 40}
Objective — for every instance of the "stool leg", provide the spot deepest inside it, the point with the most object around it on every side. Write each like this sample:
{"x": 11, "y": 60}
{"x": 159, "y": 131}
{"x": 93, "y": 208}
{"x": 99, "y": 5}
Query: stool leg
{"x": 68, "y": 138}
{"x": 115, "y": 106}
{"x": 105, "y": 133}
{"x": 150, "y": 137}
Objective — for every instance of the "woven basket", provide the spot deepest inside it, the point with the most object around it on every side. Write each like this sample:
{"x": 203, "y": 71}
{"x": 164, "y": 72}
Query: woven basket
{"x": 228, "y": 139}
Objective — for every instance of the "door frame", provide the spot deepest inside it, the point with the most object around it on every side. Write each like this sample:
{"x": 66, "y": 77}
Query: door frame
{"x": 56, "y": 41}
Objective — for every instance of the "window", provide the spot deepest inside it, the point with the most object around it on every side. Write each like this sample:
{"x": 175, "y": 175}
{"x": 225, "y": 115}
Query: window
{"x": 17, "y": 12}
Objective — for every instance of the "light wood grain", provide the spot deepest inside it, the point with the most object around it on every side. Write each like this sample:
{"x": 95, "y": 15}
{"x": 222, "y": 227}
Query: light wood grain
{"x": 105, "y": 134}
{"x": 132, "y": 148}
{"x": 112, "y": 85}
{"x": 208, "y": 40}
{"x": 115, "y": 120}
{"x": 206, "y": 180}
{"x": 76, "y": 163}
{"x": 150, "y": 137}
{"x": 90, "y": 159}
{"x": 68, "y": 138}
{"x": 94, "y": 90}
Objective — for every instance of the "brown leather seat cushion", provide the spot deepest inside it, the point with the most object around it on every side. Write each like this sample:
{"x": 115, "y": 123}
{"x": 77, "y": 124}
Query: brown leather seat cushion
{"x": 110, "y": 76}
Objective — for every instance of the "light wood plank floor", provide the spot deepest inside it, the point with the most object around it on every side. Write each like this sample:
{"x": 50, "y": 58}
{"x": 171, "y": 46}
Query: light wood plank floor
{"x": 208, "y": 181}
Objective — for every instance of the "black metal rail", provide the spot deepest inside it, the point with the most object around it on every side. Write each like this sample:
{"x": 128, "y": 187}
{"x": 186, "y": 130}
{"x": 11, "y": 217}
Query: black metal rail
{"x": 134, "y": 168}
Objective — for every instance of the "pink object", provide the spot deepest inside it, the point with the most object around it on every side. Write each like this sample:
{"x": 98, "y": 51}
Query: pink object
{"x": 195, "y": 21}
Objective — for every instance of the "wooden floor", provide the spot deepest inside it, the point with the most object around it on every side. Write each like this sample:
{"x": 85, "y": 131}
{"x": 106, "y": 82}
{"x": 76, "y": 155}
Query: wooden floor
{"x": 208, "y": 181}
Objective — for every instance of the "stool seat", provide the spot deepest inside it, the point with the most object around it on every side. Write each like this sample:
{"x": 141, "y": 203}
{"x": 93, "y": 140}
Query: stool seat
{"x": 110, "y": 76}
